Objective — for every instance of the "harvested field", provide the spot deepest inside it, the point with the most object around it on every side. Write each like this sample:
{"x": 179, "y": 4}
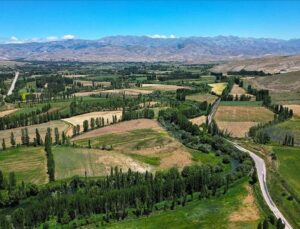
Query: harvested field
{"x": 237, "y": 90}
{"x": 162, "y": 87}
{"x": 88, "y": 83}
{"x": 243, "y": 114}
{"x": 62, "y": 126}
{"x": 200, "y": 97}
{"x": 107, "y": 115}
{"x": 73, "y": 76}
{"x": 128, "y": 91}
{"x": 237, "y": 120}
{"x": 87, "y": 93}
{"x": 199, "y": 120}
{"x": 295, "y": 108}
{"x": 218, "y": 87}
{"x": 121, "y": 128}
{"x": 7, "y": 112}
{"x": 143, "y": 139}
{"x": 236, "y": 129}
{"x": 28, "y": 163}
{"x": 71, "y": 161}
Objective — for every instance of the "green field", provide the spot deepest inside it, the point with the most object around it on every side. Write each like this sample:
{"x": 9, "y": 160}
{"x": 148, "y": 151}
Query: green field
{"x": 28, "y": 163}
{"x": 196, "y": 214}
{"x": 200, "y": 97}
{"x": 241, "y": 103}
{"x": 279, "y": 131}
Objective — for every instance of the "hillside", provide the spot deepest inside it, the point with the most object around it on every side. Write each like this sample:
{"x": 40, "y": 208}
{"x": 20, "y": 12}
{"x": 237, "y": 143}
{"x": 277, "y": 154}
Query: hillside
{"x": 144, "y": 48}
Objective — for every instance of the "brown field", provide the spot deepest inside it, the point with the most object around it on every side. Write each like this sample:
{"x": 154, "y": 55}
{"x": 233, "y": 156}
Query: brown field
{"x": 121, "y": 128}
{"x": 78, "y": 119}
{"x": 162, "y": 87}
{"x": 200, "y": 97}
{"x": 141, "y": 138}
{"x": 247, "y": 211}
{"x": 199, "y": 120}
{"x": 238, "y": 119}
{"x": 62, "y": 126}
{"x": 128, "y": 91}
{"x": 87, "y": 93}
{"x": 236, "y": 129}
{"x": 4, "y": 113}
{"x": 243, "y": 114}
{"x": 295, "y": 108}
{"x": 74, "y": 76}
{"x": 237, "y": 90}
{"x": 88, "y": 83}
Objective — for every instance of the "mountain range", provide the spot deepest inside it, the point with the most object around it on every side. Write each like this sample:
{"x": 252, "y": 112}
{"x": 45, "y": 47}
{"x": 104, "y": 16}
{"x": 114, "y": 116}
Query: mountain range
{"x": 144, "y": 48}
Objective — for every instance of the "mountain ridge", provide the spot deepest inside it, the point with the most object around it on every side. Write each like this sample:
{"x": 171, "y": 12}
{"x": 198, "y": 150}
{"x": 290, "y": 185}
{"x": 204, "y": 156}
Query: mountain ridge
{"x": 145, "y": 48}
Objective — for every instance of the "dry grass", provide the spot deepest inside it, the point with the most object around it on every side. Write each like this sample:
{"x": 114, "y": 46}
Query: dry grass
{"x": 162, "y": 87}
{"x": 88, "y": 83}
{"x": 7, "y": 112}
{"x": 236, "y": 129}
{"x": 140, "y": 138}
{"x": 62, "y": 126}
{"x": 87, "y": 93}
{"x": 243, "y": 114}
{"x": 200, "y": 97}
{"x": 121, "y": 128}
{"x": 218, "y": 88}
{"x": 107, "y": 115}
{"x": 199, "y": 120}
{"x": 73, "y": 76}
{"x": 127, "y": 91}
{"x": 248, "y": 210}
{"x": 295, "y": 108}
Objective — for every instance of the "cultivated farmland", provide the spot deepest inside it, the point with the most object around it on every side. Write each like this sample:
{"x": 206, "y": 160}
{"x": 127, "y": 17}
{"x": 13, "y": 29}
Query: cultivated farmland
{"x": 218, "y": 88}
{"x": 201, "y": 97}
{"x": 5, "y": 134}
{"x": 238, "y": 119}
{"x": 162, "y": 87}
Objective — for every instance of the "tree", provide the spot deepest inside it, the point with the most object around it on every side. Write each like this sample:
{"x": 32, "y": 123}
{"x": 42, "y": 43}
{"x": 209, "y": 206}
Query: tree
{"x": 2, "y": 182}
{"x": 92, "y": 123}
{"x": 50, "y": 159}
{"x": 18, "y": 218}
{"x": 12, "y": 139}
{"x": 38, "y": 137}
{"x": 77, "y": 129}
{"x": 12, "y": 180}
{"x": 56, "y": 136}
{"x": 74, "y": 131}
{"x": 3, "y": 144}
{"x": 265, "y": 224}
{"x": 85, "y": 125}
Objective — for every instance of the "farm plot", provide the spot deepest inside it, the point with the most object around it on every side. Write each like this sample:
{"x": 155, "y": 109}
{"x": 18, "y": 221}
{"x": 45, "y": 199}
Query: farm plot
{"x": 128, "y": 91}
{"x": 295, "y": 108}
{"x": 238, "y": 119}
{"x": 5, "y": 134}
{"x": 7, "y": 112}
{"x": 218, "y": 88}
{"x": 107, "y": 115}
{"x": 28, "y": 163}
{"x": 143, "y": 140}
{"x": 199, "y": 120}
{"x": 238, "y": 91}
{"x": 201, "y": 97}
{"x": 162, "y": 87}
{"x": 88, "y": 83}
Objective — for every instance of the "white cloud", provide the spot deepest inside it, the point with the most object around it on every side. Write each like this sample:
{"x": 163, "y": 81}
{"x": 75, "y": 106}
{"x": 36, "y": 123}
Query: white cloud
{"x": 14, "y": 40}
{"x": 52, "y": 38}
{"x": 159, "y": 36}
{"x": 68, "y": 37}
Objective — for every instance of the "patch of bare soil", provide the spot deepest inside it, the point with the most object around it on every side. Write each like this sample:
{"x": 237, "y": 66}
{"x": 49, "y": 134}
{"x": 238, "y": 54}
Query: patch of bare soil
{"x": 236, "y": 129}
{"x": 295, "y": 108}
{"x": 199, "y": 120}
{"x": 163, "y": 87}
{"x": 248, "y": 210}
{"x": 7, "y": 112}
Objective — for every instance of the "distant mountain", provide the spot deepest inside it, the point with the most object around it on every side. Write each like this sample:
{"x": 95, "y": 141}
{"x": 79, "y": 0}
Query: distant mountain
{"x": 143, "y": 48}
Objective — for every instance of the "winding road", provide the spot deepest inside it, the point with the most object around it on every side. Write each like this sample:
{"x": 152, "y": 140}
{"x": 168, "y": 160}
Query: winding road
{"x": 213, "y": 111}
{"x": 13, "y": 84}
{"x": 261, "y": 174}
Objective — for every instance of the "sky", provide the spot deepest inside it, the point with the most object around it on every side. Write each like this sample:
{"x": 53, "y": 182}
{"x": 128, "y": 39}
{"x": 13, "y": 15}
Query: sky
{"x": 41, "y": 20}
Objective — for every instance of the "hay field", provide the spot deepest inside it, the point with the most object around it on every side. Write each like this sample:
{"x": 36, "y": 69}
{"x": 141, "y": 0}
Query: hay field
{"x": 7, "y": 112}
{"x": 62, "y": 126}
{"x": 28, "y": 163}
{"x": 218, "y": 87}
{"x": 237, "y": 120}
{"x": 128, "y": 91}
{"x": 200, "y": 97}
{"x": 199, "y": 120}
{"x": 143, "y": 139}
{"x": 162, "y": 87}
{"x": 87, "y": 93}
{"x": 78, "y": 119}
{"x": 295, "y": 108}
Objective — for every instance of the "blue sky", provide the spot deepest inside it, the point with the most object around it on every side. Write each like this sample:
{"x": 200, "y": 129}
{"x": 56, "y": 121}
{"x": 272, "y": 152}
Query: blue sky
{"x": 92, "y": 19}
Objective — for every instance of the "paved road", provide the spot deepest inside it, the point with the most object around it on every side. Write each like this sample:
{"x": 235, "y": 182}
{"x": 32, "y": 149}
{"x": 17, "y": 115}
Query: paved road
{"x": 13, "y": 84}
{"x": 213, "y": 111}
{"x": 261, "y": 173}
